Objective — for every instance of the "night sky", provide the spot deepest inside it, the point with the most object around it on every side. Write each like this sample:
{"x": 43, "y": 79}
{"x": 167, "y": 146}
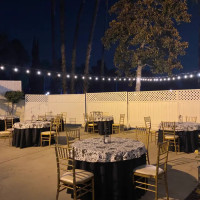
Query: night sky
{"x": 24, "y": 20}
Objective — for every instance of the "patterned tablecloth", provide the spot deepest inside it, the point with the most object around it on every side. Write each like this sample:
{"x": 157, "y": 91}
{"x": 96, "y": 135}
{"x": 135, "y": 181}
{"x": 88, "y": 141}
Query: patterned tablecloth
{"x": 30, "y": 124}
{"x": 104, "y": 118}
{"x": 2, "y": 117}
{"x": 95, "y": 150}
{"x": 185, "y": 126}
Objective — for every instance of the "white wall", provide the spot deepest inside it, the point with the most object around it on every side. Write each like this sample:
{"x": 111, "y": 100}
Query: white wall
{"x": 159, "y": 105}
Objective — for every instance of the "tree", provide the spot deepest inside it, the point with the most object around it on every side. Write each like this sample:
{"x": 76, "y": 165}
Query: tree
{"x": 89, "y": 46}
{"x": 73, "y": 62}
{"x": 62, "y": 38}
{"x": 13, "y": 97}
{"x": 145, "y": 33}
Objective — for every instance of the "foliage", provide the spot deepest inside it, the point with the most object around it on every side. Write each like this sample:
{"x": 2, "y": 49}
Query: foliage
{"x": 145, "y": 33}
{"x": 14, "y": 96}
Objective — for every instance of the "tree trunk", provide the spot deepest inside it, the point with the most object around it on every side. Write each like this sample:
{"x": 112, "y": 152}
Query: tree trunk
{"x": 73, "y": 62}
{"x": 138, "y": 78}
{"x": 53, "y": 33}
{"x": 62, "y": 38}
{"x": 103, "y": 49}
{"x": 89, "y": 47}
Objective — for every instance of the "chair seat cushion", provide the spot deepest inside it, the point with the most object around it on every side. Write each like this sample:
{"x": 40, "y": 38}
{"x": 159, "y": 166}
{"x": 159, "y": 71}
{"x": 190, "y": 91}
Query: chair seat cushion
{"x": 92, "y": 124}
{"x": 48, "y": 133}
{"x": 80, "y": 174}
{"x": 115, "y": 124}
{"x": 148, "y": 170}
{"x": 4, "y": 133}
{"x": 171, "y": 137}
{"x": 10, "y": 129}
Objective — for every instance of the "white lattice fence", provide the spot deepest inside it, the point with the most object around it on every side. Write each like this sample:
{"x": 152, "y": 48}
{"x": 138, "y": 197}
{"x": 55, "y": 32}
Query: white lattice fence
{"x": 114, "y": 103}
{"x": 73, "y": 104}
{"x": 162, "y": 105}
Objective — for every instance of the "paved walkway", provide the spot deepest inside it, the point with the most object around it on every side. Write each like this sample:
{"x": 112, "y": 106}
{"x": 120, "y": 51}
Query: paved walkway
{"x": 30, "y": 173}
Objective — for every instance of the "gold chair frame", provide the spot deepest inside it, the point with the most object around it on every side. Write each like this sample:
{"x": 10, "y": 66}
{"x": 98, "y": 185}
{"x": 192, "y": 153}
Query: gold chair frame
{"x": 141, "y": 173}
{"x": 142, "y": 133}
{"x": 117, "y": 126}
{"x": 72, "y": 135}
{"x": 91, "y": 124}
{"x": 169, "y": 134}
{"x": 79, "y": 181}
{"x": 191, "y": 119}
{"x": 147, "y": 121}
{"x": 49, "y": 135}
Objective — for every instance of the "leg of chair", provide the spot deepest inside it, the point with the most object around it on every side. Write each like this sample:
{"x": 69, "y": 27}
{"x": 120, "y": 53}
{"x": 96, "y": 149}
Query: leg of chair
{"x": 93, "y": 188}
{"x": 175, "y": 145}
{"x": 166, "y": 186}
{"x": 156, "y": 188}
{"x": 57, "y": 193}
{"x": 41, "y": 140}
{"x": 50, "y": 139}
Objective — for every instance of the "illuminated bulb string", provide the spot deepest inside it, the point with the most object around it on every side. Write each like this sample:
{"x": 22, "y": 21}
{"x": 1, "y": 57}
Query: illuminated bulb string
{"x": 41, "y": 72}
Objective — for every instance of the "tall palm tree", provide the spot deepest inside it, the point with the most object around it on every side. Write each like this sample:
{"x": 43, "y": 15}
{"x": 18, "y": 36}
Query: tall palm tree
{"x": 53, "y": 33}
{"x": 62, "y": 38}
{"x": 73, "y": 62}
{"x": 89, "y": 47}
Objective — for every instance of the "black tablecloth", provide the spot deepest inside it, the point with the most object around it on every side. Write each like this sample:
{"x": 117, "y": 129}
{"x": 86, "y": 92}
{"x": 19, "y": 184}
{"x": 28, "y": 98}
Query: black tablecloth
{"x": 2, "y": 123}
{"x": 188, "y": 140}
{"x": 27, "y": 137}
{"x": 103, "y": 126}
{"x": 113, "y": 180}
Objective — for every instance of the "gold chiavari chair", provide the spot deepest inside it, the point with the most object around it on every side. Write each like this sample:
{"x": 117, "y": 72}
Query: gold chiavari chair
{"x": 91, "y": 124}
{"x": 117, "y": 126}
{"x": 47, "y": 136}
{"x": 151, "y": 172}
{"x": 78, "y": 180}
{"x": 191, "y": 119}
{"x": 64, "y": 116}
{"x": 60, "y": 118}
{"x": 72, "y": 135}
{"x": 169, "y": 134}
{"x": 9, "y": 127}
{"x": 142, "y": 134}
{"x": 6, "y": 134}
{"x": 147, "y": 121}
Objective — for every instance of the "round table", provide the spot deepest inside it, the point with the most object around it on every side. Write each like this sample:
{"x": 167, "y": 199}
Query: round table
{"x": 27, "y": 134}
{"x": 188, "y": 134}
{"x": 104, "y": 124}
{"x": 112, "y": 165}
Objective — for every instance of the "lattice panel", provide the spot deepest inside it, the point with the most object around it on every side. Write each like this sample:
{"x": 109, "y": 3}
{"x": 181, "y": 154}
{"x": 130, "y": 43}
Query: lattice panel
{"x": 189, "y": 95}
{"x": 153, "y": 96}
{"x": 67, "y": 98}
{"x": 107, "y": 96}
{"x": 36, "y": 98}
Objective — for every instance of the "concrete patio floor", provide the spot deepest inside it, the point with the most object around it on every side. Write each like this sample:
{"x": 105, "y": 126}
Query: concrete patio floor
{"x": 30, "y": 173}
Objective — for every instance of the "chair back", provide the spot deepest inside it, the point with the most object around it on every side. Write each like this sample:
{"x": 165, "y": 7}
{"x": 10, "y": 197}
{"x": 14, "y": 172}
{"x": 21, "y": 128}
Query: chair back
{"x": 142, "y": 134}
{"x": 168, "y": 128}
{"x": 121, "y": 119}
{"x": 147, "y": 121}
{"x": 191, "y": 119}
{"x": 162, "y": 156}
{"x": 8, "y": 123}
{"x": 72, "y": 135}
{"x": 65, "y": 161}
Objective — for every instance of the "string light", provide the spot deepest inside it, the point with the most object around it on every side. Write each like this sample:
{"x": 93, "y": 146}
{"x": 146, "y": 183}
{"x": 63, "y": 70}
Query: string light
{"x": 2, "y": 67}
{"x": 148, "y": 79}
{"x": 15, "y": 69}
